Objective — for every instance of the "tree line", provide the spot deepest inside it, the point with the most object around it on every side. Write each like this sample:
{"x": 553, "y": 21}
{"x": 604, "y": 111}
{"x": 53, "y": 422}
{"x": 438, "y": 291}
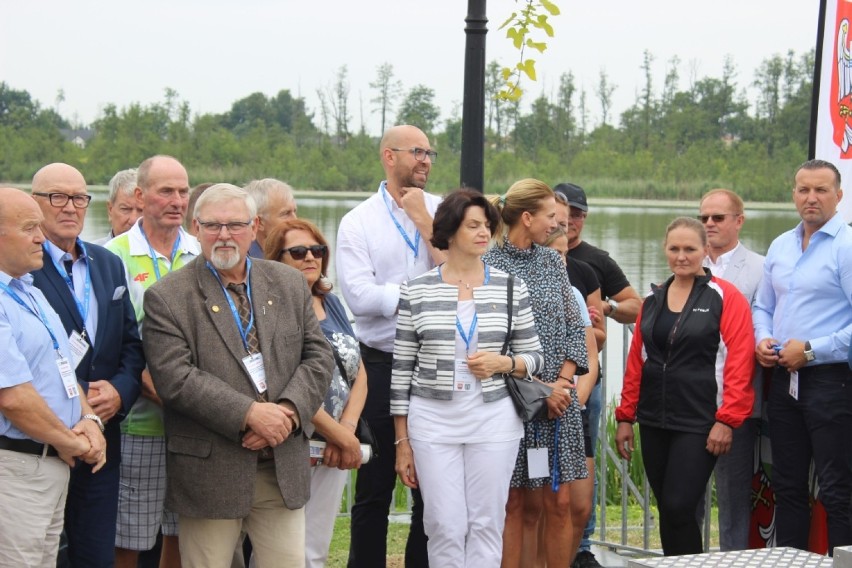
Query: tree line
{"x": 677, "y": 140}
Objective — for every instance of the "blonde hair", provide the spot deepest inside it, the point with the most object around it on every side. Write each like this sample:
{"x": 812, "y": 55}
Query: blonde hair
{"x": 525, "y": 195}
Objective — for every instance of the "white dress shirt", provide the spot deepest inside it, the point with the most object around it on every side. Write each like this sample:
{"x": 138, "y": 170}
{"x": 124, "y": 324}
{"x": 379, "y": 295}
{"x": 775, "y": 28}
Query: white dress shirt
{"x": 719, "y": 267}
{"x": 373, "y": 259}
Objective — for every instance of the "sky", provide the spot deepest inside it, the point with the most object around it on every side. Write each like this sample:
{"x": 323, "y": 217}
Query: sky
{"x": 214, "y": 52}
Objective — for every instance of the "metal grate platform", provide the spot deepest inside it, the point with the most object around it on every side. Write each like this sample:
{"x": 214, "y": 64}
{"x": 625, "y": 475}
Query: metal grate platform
{"x": 761, "y": 558}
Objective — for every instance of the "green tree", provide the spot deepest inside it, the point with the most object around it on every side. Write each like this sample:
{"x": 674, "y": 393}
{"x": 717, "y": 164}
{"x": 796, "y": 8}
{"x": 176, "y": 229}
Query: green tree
{"x": 418, "y": 108}
{"x": 388, "y": 89}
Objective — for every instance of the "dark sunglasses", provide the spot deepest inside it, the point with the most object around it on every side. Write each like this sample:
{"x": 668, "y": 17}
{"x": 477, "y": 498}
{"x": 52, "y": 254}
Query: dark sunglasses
{"x": 717, "y": 218}
{"x": 299, "y": 253}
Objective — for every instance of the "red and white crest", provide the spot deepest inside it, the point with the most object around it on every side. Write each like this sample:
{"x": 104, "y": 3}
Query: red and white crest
{"x": 841, "y": 79}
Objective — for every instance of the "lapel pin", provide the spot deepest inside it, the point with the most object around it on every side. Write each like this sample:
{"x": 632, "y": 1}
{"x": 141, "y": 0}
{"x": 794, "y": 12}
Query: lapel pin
{"x": 215, "y": 309}
{"x": 269, "y": 302}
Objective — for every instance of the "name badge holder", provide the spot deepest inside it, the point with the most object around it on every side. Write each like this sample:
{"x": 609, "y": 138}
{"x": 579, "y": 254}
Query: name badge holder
{"x": 537, "y": 459}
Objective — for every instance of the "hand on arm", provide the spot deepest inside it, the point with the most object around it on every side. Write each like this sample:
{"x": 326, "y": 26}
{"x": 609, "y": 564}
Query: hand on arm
{"x": 148, "y": 390}
{"x": 105, "y": 400}
{"x": 485, "y": 364}
{"x": 342, "y": 450}
{"x": 267, "y": 424}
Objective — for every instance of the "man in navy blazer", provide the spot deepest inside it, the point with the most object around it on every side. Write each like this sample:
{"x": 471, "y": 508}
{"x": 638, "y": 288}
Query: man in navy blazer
{"x": 85, "y": 284}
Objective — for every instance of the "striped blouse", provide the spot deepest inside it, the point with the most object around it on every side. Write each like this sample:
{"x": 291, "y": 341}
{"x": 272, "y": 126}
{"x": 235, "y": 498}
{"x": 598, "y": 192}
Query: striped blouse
{"x": 425, "y": 345}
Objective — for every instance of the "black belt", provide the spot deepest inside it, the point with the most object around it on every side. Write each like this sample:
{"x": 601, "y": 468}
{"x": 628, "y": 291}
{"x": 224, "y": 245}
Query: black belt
{"x": 26, "y": 446}
{"x": 376, "y": 354}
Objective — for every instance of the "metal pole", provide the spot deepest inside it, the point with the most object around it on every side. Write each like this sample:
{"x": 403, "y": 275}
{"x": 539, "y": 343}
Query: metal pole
{"x": 473, "y": 108}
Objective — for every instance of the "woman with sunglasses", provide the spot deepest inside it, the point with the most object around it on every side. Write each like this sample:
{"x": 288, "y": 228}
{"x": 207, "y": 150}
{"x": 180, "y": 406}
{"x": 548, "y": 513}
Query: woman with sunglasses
{"x": 300, "y": 244}
{"x": 457, "y": 431}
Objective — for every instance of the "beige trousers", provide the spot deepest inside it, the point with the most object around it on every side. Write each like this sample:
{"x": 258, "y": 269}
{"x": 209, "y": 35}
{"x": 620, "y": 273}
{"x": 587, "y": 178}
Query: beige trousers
{"x": 277, "y": 533}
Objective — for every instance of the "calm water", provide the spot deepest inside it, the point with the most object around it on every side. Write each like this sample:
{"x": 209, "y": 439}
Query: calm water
{"x": 632, "y": 235}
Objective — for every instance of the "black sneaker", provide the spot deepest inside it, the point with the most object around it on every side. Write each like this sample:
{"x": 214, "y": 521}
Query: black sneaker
{"x": 585, "y": 559}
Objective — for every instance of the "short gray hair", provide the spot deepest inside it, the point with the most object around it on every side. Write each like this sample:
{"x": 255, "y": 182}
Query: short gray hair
{"x": 260, "y": 189}
{"x": 123, "y": 181}
{"x": 224, "y": 192}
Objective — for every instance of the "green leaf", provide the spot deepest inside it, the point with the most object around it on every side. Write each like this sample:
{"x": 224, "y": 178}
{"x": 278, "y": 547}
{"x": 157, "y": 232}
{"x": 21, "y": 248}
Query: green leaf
{"x": 540, "y": 46}
{"x": 517, "y": 38}
{"x": 550, "y": 7}
{"x": 528, "y": 67}
{"x": 548, "y": 29}
{"x": 506, "y": 72}
{"x": 508, "y": 20}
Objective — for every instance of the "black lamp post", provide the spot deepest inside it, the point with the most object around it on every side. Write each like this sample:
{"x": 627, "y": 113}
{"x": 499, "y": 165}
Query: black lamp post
{"x": 473, "y": 109}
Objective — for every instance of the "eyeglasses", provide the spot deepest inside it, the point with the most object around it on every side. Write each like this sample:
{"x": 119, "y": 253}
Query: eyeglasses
{"x": 234, "y": 227}
{"x": 419, "y": 153}
{"x": 299, "y": 253}
{"x": 61, "y": 199}
{"x": 717, "y": 218}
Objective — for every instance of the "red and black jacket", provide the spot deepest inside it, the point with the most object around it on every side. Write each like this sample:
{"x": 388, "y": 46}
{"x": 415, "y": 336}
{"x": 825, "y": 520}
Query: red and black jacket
{"x": 703, "y": 374}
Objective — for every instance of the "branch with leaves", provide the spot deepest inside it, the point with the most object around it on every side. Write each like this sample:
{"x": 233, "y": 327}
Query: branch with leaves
{"x": 526, "y": 28}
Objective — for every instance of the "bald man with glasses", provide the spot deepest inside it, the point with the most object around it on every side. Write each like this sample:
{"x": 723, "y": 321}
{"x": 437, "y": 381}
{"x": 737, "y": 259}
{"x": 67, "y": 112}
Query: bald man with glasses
{"x": 721, "y": 211}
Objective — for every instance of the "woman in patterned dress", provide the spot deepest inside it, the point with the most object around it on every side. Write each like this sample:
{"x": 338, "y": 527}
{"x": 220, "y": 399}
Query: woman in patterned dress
{"x": 300, "y": 244}
{"x": 552, "y": 453}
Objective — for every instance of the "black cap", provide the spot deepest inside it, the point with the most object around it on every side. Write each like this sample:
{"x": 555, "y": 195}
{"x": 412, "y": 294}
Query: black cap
{"x": 574, "y": 194}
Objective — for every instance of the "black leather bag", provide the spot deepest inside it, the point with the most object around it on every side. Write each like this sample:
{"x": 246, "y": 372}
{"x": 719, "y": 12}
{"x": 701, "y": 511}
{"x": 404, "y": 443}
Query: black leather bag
{"x": 528, "y": 395}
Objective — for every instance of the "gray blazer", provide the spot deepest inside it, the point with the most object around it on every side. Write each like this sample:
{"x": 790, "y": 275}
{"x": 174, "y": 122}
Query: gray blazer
{"x": 745, "y": 271}
{"x": 195, "y": 353}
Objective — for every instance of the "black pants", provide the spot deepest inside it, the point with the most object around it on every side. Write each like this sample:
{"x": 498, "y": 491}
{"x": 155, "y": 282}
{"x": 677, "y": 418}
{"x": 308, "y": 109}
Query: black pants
{"x": 818, "y": 425}
{"x": 678, "y": 466}
{"x": 376, "y": 480}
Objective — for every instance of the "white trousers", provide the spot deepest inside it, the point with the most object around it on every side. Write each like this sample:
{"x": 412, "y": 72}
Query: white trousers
{"x": 277, "y": 533}
{"x": 327, "y": 485}
{"x": 32, "y": 508}
{"x": 465, "y": 488}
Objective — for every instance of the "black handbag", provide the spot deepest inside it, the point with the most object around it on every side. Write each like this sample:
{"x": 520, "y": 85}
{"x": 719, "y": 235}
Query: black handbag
{"x": 362, "y": 431}
{"x": 528, "y": 395}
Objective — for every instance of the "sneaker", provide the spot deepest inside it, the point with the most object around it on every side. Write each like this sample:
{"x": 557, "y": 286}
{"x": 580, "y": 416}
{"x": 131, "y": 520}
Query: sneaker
{"x": 585, "y": 559}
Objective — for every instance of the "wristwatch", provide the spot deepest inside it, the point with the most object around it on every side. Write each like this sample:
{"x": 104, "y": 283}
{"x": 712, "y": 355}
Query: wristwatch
{"x": 809, "y": 352}
{"x": 614, "y": 305}
{"x": 96, "y": 419}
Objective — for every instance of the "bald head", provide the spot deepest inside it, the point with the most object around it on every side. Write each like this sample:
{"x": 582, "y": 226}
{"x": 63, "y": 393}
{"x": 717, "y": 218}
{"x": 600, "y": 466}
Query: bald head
{"x": 402, "y": 169}
{"x": 60, "y": 191}
{"x": 57, "y": 174}
{"x": 20, "y": 235}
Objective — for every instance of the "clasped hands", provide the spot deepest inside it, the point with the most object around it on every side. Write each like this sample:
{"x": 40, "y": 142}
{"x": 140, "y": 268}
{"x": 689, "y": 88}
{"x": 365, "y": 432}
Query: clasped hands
{"x": 88, "y": 444}
{"x": 791, "y": 355}
{"x": 268, "y": 424}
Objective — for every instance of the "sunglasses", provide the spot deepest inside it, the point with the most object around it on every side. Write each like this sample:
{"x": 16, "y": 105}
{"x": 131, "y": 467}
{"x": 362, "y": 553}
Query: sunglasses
{"x": 717, "y": 218}
{"x": 299, "y": 253}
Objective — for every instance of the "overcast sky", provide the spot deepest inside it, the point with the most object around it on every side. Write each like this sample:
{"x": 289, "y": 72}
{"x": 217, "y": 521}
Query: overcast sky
{"x": 213, "y": 52}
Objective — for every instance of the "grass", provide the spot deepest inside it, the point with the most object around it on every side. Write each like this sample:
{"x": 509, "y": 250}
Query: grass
{"x": 398, "y": 532}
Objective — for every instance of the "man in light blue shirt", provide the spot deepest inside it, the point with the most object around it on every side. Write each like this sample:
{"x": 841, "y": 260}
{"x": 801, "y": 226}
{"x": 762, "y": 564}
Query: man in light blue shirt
{"x": 44, "y": 422}
{"x": 803, "y": 321}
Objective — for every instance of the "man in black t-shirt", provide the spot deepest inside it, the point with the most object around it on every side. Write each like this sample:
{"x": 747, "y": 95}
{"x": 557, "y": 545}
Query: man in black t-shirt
{"x": 621, "y": 303}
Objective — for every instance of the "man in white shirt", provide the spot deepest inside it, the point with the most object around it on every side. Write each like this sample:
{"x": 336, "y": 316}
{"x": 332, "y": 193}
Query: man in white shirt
{"x": 722, "y": 214}
{"x": 382, "y": 243}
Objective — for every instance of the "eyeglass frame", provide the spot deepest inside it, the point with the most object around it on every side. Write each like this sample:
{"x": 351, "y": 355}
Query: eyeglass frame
{"x": 207, "y": 226}
{"x": 717, "y": 217}
{"x": 433, "y": 155}
{"x": 322, "y": 248}
{"x": 64, "y": 197}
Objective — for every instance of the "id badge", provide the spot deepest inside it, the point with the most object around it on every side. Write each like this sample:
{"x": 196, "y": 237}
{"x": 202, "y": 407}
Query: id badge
{"x": 254, "y": 366}
{"x": 537, "y": 463}
{"x": 794, "y": 385}
{"x": 69, "y": 379}
{"x": 79, "y": 347}
{"x": 463, "y": 379}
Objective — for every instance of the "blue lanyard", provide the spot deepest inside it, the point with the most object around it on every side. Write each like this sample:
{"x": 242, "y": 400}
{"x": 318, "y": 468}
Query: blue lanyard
{"x": 467, "y": 339}
{"x": 243, "y": 331}
{"x": 154, "y": 258}
{"x": 554, "y": 468}
{"x": 415, "y": 247}
{"x": 40, "y": 315}
{"x": 84, "y": 307}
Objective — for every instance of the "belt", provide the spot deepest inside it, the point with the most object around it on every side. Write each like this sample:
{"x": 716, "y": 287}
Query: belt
{"x": 26, "y": 446}
{"x": 376, "y": 354}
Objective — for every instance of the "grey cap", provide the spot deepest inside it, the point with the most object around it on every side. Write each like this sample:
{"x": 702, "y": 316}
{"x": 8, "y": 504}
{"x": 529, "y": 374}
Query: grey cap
{"x": 574, "y": 194}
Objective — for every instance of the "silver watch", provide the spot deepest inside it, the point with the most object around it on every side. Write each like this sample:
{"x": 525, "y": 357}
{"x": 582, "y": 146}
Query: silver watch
{"x": 809, "y": 352}
{"x": 96, "y": 419}
{"x": 614, "y": 305}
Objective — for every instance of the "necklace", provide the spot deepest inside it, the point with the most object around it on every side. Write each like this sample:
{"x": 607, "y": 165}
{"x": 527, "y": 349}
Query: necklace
{"x": 466, "y": 285}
